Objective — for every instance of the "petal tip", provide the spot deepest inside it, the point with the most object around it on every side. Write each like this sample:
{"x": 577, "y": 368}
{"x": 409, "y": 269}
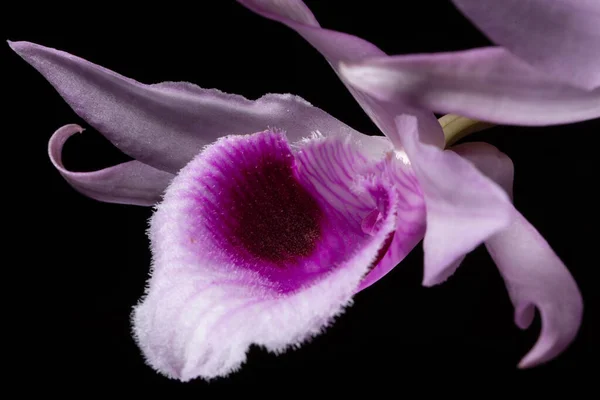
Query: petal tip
{"x": 13, "y": 45}
{"x": 432, "y": 279}
{"x": 431, "y": 282}
{"x": 526, "y": 363}
{"x": 19, "y": 46}
{"x": 536, "y": 356}
{"x": 25, "y": 49}
{"x": 524, "y": 315}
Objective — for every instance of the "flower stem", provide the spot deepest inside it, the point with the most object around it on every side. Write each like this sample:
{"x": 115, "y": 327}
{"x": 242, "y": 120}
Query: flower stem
{"x": 456, "y": 127}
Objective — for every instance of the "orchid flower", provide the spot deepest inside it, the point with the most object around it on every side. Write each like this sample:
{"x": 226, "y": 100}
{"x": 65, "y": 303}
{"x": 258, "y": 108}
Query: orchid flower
{"x": 466, "y": 189}
{"x": 260, "y": 235}
{"x": 271, "y": 214}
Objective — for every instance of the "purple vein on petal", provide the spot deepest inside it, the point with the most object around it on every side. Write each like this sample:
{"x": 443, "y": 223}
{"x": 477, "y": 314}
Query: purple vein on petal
{"x": 251, "y": 246}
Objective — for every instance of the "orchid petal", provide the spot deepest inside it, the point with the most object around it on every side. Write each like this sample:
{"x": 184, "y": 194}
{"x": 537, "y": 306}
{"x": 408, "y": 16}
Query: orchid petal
{"x": 165, "y": 125}
{"x": 127, "y": 183}
{"x": 410, "y": 215}
{"x": 464, "y": 207}
{"x": 260, "y": 242}
{"x": 560, "y": 37}
{"x": 534, "y": 275}
{"x": 339, "y": 47}
{"x": 487, "y": 84}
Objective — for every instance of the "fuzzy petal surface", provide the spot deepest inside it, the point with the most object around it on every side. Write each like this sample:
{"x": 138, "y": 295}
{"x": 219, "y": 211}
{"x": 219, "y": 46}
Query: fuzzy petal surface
{"x": 259, "y": 241}
{"x": 410, "y": 214}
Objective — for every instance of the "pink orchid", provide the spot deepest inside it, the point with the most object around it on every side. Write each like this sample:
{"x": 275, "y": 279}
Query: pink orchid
{"x": 271, "y": 214}
{"x": 465, "y": 190}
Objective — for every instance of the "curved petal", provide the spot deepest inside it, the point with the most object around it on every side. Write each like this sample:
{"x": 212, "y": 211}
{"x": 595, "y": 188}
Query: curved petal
{"x": 410, "y": 215}
{"x": 257, "y": 242}
{"x": 487, "y": 84}
{"x": 534, "y": 275}
{"x": 560, "y": 37}
{"x": 337, "y": 47}
{"x": 464, "y": 207}
{"x": 165, "y": 125}
{"x": 127, "y": 183}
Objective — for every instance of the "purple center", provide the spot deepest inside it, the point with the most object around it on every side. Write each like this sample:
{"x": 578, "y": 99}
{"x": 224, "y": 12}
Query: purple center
{"x": 277, "y": 219}
{"x": 258, "y": 213}
{"x": 292, "y": 218}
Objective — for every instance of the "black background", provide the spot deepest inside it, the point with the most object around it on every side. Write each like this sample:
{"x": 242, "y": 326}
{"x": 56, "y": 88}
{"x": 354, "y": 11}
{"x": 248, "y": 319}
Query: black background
{"x": 81, "y": 265}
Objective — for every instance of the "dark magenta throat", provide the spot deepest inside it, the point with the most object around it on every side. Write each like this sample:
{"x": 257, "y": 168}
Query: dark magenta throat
{"x": 258, "y": 211}
{"x": 278, "y": 220}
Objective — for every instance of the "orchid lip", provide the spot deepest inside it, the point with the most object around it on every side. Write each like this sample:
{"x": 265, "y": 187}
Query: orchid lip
{"x": 269, "y": 216}
{"x": 261, "y": 216}
{"x": 257, "y": 241}
{"x": 256, "y": 238}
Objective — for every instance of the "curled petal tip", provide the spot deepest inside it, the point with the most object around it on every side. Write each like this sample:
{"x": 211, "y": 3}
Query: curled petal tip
{"x": 74, "y": 128}
{"x": 127, "y": 183}
{"x": 544, "y": 350}
{"x": 525, "y": 364}
{"x": 558, "y": 333}
{"x": 533, "y": 273}
{"x": 536, "y": 277}
{"x": 524, "y": 315}
{"x": 529, "y": 361}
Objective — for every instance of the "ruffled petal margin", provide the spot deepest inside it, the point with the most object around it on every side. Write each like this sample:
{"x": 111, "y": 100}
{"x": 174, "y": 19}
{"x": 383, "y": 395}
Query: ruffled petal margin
{"x": 259, "y": 242}
{"x": 131, "y": 182}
